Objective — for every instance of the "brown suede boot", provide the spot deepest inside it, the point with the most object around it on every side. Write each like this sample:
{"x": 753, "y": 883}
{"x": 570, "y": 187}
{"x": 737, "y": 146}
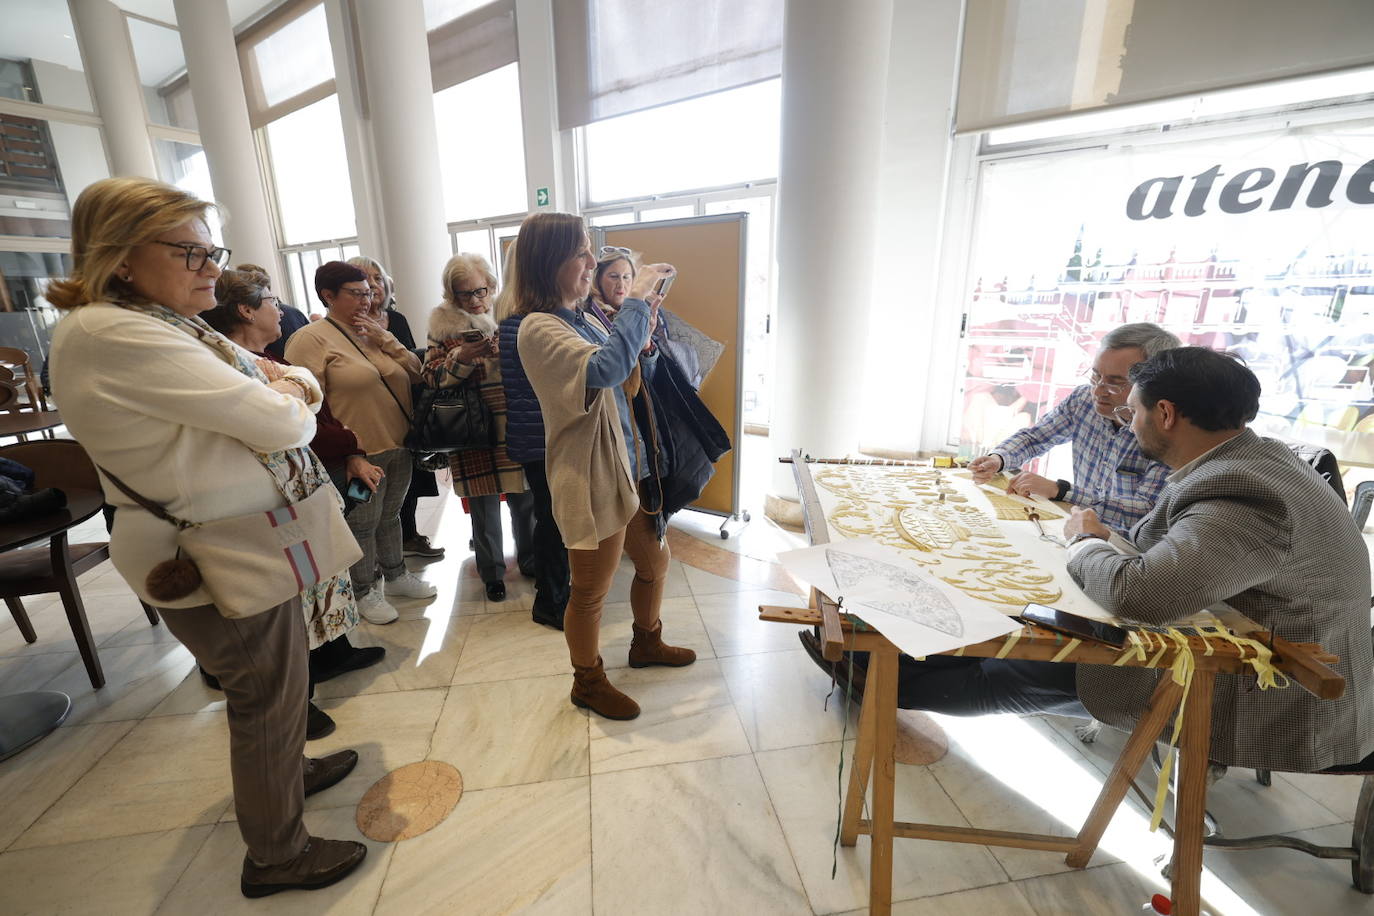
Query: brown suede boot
{"x": 592, "y": 691}
{"x": 648, "y": 648}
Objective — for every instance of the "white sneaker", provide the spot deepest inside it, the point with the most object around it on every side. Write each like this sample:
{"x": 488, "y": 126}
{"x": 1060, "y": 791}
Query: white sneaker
{"x": 409, "y": 585}
{"x": 376, "y": 609}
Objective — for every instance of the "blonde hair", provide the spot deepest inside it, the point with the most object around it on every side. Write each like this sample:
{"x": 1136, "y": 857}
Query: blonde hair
{"x": 466, "y": 265}
{"x": 504, "y": 306}
{"x": 112, "y": 217}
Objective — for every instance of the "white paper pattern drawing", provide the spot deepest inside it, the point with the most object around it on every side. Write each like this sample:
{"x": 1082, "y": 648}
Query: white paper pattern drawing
{"x": 919, "y": 601}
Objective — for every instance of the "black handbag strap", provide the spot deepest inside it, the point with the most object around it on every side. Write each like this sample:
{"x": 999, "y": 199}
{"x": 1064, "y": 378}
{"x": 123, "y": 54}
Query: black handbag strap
{"x": 381, "y": 378}
{"x": 156, "y": 510}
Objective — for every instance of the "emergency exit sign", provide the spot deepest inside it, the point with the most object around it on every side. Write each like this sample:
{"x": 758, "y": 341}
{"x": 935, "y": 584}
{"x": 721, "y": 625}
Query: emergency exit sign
{"x": 541, "y": 197}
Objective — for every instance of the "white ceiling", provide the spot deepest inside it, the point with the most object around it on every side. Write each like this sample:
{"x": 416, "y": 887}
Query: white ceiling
{"x": 42, "y": 29}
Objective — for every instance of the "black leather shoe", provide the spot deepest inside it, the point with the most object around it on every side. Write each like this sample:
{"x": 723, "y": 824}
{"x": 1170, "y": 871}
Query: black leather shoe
{"x": 319, "y": 864}
{"x": 360, "y": 657}
{"x": 848, "y": 677}
{"x": 210, "y": 680}
{"x": 317, "y": 723}
{"x": 323, "y": 772}
{"x": 496, "y": 591}
{"x": 545, "y": 620}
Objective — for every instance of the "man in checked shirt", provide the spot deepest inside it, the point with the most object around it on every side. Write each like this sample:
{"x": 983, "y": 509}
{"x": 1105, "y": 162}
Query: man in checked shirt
{"x": 1111, "y": 476}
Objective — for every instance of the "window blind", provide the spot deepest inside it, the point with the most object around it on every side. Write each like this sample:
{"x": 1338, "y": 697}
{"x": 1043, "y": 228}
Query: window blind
{"x": 618, "y": 56}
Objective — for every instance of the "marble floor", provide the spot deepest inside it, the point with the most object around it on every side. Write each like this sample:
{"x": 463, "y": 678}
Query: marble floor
{"x": 720, "y": 798}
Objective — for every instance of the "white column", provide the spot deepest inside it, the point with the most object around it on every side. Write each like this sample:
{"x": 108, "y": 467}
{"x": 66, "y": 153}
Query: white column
{"x": 400, "y": 102}
{"x": 108, "y": 56}
{"x": 834, "y": 85}
{"x": 212, "y": 63}
{"x": 544, "y": 154}
{"x": 362, "y": 174}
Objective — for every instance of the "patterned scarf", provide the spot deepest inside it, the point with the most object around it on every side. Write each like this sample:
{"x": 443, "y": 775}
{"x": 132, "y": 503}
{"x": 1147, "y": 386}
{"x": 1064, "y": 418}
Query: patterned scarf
{"x": 329, "y": 605}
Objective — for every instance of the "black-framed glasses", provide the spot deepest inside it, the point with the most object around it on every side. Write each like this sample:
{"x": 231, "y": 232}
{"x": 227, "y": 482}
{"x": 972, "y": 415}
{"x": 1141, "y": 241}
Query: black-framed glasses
{"x": 197, "y": 255}
{"x": 608, "y": 250}
{"x": 1124, "y": 414}
{"x": 365, "y": 293}
{"x": 272, "y": 300}
{"x": 1096, "y": 380}
{"x": 478, "y": 293}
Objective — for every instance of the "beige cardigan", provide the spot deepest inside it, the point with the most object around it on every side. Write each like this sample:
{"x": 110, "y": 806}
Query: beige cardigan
{"x": 593, "y": 492}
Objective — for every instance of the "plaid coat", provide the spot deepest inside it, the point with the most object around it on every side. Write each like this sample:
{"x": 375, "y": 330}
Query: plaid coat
{"x": 1255, "y": 527}
{"x": 482, "y": 472}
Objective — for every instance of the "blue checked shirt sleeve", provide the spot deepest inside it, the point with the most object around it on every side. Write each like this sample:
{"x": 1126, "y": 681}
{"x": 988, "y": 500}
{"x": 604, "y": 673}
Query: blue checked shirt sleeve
{"x": 1055, "y": 427}
{"x": 1124, "y": 499}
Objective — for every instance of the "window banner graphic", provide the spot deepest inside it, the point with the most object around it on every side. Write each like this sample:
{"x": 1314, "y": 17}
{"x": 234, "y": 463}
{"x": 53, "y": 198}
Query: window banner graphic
{"x": 1261, "y": 245}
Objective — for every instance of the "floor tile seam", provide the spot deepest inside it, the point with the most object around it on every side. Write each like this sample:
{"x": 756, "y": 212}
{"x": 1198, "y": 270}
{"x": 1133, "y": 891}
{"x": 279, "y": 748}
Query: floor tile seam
{"x": 63, "y": 794}
{"x": 660, "y": 764}
{"x": 1010, "y": 882}
{"x": 190, "y": 860}
{"x": 10, "y": 850}
{"x": 944, "y": 790}
{"x": 777, "y": 819}
{"x": 30, "y": 653}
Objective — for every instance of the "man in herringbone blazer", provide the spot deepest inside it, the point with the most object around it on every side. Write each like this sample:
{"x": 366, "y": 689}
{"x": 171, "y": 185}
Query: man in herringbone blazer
{"x": 1245, "y": 522}
{"x": 1241, "y": 521}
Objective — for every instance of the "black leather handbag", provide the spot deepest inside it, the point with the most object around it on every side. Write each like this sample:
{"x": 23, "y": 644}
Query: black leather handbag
{"x": 449, "y": 420}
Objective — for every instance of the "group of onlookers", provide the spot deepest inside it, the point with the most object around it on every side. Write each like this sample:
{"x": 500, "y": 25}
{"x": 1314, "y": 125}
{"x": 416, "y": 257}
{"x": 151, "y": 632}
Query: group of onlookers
{"x": 208, "y": 398}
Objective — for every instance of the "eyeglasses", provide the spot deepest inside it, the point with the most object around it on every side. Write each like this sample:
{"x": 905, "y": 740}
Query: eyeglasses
{"x": 197, "y": 255}
{"x": 1095, "y": 379}
{"x": 356, "y": 293}
{"x": 478, "y": 293}
{"x": 608, "y": 250}
{"x": 266, "y": 300}
{"x": 1124, "y": 414}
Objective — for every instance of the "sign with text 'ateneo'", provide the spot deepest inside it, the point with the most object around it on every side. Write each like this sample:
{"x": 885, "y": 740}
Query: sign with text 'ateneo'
{"x": 1305, "y": 184}
{"x": 1261, "y": 244}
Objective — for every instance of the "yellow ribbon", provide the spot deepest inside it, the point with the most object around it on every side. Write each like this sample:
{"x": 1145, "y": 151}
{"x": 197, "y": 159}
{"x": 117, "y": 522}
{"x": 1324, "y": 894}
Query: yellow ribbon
{"x": 1012, "y": 639}
{"x": 1063, "y": 653}
{"x": 1134, "y": 649}
{"x": 1182, "y": 672}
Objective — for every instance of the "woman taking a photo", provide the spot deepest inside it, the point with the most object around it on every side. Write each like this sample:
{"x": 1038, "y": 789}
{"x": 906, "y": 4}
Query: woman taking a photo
{"x": 195, "y": 425}
{"x": 366, "y": 373}
{"x": 595, "y": 457}
{"x": 480, "y": 475}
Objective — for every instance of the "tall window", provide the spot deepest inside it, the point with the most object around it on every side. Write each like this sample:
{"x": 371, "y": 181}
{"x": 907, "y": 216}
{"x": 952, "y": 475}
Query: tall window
{"x": 482, "y": 146}
{"x": 310, "y": 168}
{"x": 1259, "y": 244}
{"x": 728, "y": 138}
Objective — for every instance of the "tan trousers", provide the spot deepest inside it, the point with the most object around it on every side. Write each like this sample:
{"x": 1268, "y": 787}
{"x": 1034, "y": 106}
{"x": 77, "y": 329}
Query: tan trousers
{"x": 592, "y": 572}
{"x": 261, "y": 664}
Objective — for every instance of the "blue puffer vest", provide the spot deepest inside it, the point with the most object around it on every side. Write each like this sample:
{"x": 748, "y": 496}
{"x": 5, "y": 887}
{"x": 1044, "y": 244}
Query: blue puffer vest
{"x": 524, "y": 421}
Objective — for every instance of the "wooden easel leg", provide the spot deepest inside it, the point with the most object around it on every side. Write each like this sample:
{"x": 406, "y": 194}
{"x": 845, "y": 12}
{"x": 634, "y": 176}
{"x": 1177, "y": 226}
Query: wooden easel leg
{"x": 859, "y": 771}
{"x": 1161, "y": 706}
{"x": 1191, "y": 800}
{"x": 884, "y": 666}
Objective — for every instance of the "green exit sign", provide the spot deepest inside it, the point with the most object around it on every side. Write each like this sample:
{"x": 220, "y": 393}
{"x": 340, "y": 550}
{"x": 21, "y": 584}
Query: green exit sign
{"x": 541, "y": 197}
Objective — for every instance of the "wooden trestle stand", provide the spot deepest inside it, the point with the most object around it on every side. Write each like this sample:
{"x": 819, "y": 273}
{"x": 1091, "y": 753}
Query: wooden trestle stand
{"x": 874, "y": 759}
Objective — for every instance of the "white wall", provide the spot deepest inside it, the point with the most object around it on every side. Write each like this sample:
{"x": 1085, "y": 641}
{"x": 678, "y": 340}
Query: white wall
{"x": 80, "y": 153}
{"x": 910, "y": 330}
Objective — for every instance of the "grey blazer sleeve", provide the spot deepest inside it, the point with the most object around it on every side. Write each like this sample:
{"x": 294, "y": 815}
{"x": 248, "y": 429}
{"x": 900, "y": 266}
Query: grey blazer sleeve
{"x": 1214, "y": 548}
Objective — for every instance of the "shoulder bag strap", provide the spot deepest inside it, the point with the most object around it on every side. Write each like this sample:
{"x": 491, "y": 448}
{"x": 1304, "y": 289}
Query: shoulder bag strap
{"x": 156, "y": 510}
{"x": 381, "y": 378}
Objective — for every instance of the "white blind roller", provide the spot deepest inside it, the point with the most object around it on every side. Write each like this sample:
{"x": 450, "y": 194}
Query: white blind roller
{"x": 619, "y": 56}
{"x": 473, "y": 44}
{"x": 1027, "y": 60}
{"x": 288, "y": 63}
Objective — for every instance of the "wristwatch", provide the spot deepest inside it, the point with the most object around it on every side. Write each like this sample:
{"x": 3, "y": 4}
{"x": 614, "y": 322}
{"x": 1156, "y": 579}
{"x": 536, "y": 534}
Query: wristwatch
{"x": 1064, "y": 487}
{"x": 1083, "y": 536}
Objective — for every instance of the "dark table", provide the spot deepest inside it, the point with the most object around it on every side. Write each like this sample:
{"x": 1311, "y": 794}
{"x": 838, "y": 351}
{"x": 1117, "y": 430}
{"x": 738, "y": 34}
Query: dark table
{"x": 27, "y": 717}
{"x": 23, "y": 422}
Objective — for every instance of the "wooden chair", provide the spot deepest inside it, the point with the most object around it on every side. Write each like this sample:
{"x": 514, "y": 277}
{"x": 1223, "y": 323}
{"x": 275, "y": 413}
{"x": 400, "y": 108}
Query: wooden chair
{"x": 17, "y": 362}
{"x": 40, "y": 571}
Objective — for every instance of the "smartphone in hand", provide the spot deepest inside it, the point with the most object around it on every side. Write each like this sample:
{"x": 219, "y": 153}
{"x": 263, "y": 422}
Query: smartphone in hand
{"x": 358, "y": 491}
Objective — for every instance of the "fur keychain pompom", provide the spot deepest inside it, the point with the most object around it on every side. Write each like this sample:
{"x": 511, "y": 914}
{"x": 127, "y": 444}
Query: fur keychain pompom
{"x": 172, "y": 580}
